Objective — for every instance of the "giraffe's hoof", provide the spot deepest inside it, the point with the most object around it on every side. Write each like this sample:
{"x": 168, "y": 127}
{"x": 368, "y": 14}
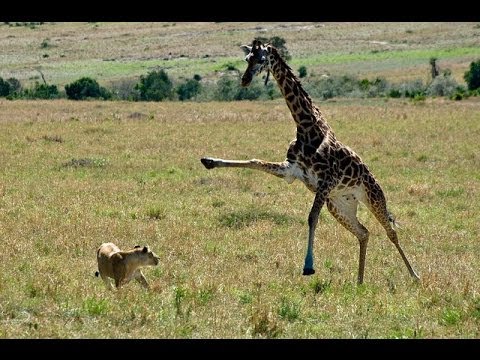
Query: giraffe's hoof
{"x": 209, "y": 163}
{"x": 308, "y": 271}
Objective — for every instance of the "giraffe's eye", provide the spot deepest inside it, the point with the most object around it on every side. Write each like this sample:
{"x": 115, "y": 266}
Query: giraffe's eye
{"x": 262, "y": 60}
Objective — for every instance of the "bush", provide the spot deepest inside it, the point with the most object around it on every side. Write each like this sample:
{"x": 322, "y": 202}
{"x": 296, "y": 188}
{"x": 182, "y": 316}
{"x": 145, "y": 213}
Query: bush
{"x": 394, "y": 93}
{"x": 86, "y": 88}
{"x": 457, "y": 96}
{"x": 302, "y": 71}
{"x": 419, "y": 97}
{"x": 272, "y": 91}
{"x": 460, "y": 93}
{"x": 188, "y": 89}
{"x": 333, "y": 86}
{"x": 230, "y": 67}
{"x": 442, "y": 86}
{"x": 15, "y": 85}
{"x": 323, "y": 88}
{"x": 375, "y": 88}
{"x": 45, "y": 44}
{"x": 229, "y": 88}
{"x": 125, "y": 89}
{"x": 155, "y": 86}
{"x": 249, "y": 93}
{"x": 474, "y": 92}
{"x": 472, "y": 76}
{"x": 40, "y": 91}
{"x": 5, "y": 87}
{"x": 11, "y": 88}
{"x": 364, "y": 84}
{"x": 408, "y": 89}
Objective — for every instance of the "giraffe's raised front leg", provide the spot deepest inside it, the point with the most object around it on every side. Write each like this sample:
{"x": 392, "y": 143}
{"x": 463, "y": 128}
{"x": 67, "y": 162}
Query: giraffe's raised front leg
{"x": 280, "y": 169}
{"x": 320, "y": 196}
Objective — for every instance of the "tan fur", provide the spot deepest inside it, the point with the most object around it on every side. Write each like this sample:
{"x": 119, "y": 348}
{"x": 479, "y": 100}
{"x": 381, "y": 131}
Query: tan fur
{"x": 123, "y": 266}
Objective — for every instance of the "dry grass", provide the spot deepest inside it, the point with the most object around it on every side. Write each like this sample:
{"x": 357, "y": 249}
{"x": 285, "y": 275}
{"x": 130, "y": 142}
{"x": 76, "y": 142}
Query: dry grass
{"x": 232, "y": 242}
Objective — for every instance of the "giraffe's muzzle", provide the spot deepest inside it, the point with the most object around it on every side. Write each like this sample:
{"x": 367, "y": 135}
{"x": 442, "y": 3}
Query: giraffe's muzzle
{"x": 246, "y": 79}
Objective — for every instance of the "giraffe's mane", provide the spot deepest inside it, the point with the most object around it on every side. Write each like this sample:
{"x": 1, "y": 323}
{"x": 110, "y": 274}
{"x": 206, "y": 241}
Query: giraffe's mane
{"x": 291, "y": 74}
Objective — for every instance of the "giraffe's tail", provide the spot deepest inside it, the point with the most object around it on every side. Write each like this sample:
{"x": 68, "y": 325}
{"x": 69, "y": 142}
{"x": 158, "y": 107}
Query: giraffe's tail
{"x": 393, "y": 221}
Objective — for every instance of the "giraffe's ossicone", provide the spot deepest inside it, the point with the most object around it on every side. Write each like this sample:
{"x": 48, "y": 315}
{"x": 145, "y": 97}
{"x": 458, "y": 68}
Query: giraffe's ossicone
{"x": 334, "y": 172}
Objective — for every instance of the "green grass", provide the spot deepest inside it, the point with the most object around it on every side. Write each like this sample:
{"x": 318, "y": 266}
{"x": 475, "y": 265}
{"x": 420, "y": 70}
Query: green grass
{"x": 232, "y": 241}
{"x": 289, "y": 310}
{"x": 412, "y": 55}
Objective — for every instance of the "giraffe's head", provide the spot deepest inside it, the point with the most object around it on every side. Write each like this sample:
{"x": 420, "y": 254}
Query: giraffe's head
{"x": 256, "y": 56}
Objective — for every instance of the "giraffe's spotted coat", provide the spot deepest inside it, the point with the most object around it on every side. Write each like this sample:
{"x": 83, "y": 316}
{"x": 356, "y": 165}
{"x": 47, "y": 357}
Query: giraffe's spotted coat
{"x": 334, "y": 172}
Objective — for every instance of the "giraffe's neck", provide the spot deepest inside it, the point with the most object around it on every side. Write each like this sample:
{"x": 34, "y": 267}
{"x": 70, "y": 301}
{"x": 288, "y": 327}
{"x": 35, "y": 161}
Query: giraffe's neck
{"x": 305, "y": 113}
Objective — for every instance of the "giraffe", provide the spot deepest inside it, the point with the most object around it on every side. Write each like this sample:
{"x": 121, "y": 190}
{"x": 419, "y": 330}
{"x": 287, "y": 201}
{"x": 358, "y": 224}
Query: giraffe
{"x": 331, "y": 170}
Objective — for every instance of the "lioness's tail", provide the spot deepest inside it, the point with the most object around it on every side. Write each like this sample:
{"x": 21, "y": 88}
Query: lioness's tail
{"x": 97, "y": 273}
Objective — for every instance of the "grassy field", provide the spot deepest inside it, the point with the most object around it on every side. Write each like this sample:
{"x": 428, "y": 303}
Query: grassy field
{"x": 110, "y": 52}
{"x": 232, "y": 241}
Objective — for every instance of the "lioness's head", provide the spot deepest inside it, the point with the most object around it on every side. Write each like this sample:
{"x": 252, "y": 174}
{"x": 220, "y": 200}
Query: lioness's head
{"x": 148, "y": 256}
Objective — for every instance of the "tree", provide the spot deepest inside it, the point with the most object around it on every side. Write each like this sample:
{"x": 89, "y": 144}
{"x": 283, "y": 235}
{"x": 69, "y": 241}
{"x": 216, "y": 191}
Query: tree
{"x": 472, "y": 76}
{"x": 278, "y": 43}
{"x": 434, "y": 67}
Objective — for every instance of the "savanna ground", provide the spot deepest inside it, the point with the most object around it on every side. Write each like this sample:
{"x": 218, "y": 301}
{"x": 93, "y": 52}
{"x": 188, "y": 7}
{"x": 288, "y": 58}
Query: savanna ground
{"x": 115, "y": 51}
{"x": 232, "y": 241}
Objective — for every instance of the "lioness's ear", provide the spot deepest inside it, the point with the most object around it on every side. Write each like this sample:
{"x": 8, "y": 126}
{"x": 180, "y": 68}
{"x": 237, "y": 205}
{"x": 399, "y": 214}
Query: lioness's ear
{"x": 137, "y": 246}
{"x": 145, "y": 249}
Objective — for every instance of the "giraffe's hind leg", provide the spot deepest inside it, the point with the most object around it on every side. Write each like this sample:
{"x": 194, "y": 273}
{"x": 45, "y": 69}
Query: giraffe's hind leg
{"x": 344, "y": 209}
{"x": 375, "y": 201}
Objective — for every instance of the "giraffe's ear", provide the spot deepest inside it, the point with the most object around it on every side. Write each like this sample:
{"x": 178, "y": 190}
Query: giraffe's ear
{"x": 246, "y": 49}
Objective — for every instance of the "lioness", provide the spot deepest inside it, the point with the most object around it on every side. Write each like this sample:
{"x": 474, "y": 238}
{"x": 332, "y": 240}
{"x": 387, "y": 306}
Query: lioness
{"x": 123, "y": 266}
